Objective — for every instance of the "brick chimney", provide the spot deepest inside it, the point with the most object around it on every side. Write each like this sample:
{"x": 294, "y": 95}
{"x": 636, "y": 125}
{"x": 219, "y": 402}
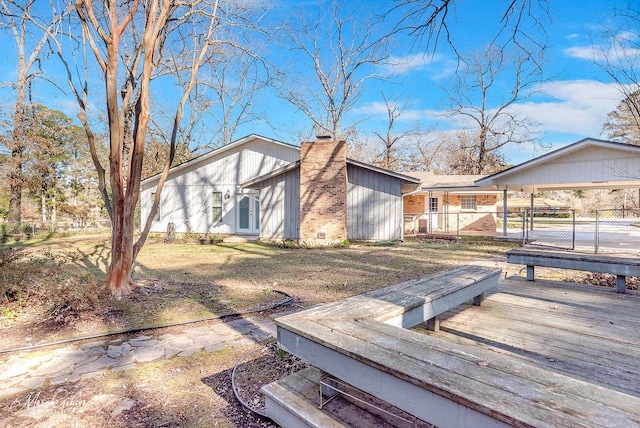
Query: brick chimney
{"x": 323, "y": 191}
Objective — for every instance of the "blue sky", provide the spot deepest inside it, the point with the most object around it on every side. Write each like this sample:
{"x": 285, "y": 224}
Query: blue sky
{"x": 570, "y": 104}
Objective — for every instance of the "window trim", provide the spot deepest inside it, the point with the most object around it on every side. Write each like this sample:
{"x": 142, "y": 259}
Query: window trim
{"x": 216, "y": 196}
{"x": 465, "y": 206}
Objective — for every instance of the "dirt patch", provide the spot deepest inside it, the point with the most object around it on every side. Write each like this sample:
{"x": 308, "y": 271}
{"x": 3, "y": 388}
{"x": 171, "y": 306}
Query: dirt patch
{"x": 181, "y": 392}
{"x": 59, "y": 294}
{"x": 259, "y": 368}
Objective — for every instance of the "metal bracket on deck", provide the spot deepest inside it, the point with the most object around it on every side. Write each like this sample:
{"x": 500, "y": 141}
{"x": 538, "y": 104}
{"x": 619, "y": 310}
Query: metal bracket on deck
{"x": 332, "y": 387}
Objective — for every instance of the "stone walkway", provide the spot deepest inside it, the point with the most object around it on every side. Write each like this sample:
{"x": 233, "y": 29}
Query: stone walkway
{"x": 30, "y": 370}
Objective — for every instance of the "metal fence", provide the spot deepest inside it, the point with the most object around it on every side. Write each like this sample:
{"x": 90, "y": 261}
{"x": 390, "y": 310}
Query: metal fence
{"x": 603, "y": 230}
{"x": 606, "y": 230}
{"x": 549, "y": 229}
{"x": 617, "y": 230}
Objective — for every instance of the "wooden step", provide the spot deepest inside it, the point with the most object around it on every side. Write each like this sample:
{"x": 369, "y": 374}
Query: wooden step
{"x": 288, "y": 403}
{"x": 295, "y": 402}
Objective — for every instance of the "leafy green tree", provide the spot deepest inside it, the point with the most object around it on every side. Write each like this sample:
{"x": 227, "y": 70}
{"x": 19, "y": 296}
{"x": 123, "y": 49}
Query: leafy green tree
{"x": 50, "y": 134}
{"x": 29, "y": 30}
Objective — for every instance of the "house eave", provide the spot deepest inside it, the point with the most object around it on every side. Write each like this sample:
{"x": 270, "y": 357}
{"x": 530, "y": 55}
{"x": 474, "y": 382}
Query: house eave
{"x": 410, "y": 185}
{"x": 216, "y": 152}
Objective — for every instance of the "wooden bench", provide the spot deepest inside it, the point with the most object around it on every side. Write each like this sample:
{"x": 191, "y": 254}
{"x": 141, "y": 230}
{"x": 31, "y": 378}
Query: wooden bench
{"x": 327, "y": 336}
{"x": 619, "y": 266}
{"x": 364, "y": 341}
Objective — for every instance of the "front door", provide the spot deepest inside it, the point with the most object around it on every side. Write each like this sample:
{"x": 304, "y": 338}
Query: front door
{"x": 248, "y": 214}
{"x": 433, "y": 213}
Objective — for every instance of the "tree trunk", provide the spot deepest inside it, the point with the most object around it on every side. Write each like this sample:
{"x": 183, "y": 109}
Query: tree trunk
{"x": 43, "y": 205}
{"x": 54, "y": 210}
{"x": 119, "y": 278}
{"x": 15, "y": 192}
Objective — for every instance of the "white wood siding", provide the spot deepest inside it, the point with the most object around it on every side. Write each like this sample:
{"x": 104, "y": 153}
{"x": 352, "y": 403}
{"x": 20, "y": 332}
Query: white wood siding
{"x": 591, "y": 164}
{"x": 280, "y": 207}
{"x": 186, "y": 197}
{"x": 374, "y": 205}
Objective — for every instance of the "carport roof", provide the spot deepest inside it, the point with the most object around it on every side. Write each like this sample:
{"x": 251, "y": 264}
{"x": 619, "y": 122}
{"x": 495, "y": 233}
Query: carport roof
{"x": 587, "y": 164}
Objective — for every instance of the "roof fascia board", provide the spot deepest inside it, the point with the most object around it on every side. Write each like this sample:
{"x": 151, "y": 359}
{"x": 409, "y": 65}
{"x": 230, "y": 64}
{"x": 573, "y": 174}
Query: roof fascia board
{"x": 398, "y": 175}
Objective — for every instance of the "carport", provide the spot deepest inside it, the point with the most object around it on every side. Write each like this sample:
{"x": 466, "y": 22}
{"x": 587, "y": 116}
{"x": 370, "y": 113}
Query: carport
{"x": 587, "y": 164}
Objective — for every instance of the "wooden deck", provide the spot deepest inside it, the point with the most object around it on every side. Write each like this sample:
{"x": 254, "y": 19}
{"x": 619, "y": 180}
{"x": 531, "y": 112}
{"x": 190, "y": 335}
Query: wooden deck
{"x": 619, "y": 266}
{"x": 587, "y": 333}
{"x": 535, "y": 354}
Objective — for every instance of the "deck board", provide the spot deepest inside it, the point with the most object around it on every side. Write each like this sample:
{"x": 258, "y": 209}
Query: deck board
{"x": 583, "y": 343}
{"x": 535, "y": 354}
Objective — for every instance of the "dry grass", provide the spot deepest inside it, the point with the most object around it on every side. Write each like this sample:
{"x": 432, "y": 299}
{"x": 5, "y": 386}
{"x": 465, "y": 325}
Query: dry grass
{"x": 185, "y": 281}
{"x": 54, "y": 291}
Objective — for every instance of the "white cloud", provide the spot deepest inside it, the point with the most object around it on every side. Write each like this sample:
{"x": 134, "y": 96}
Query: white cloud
{"x": 409, "y": 63}
{"x": 578, "y": 106}
{"x": 590, "y": 53}
{"x": 619, "y": 46}
{"x": 378, "y": 110}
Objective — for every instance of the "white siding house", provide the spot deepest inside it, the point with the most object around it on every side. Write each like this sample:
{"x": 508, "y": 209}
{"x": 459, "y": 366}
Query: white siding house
{"x": 203, "y": 194}
{"x": 374, "y": 202}
{"x": 252, "y": 187}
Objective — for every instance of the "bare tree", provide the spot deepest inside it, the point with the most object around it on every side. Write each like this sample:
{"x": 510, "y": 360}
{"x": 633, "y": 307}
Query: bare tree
{"x": 339, "y": 53}
{"x": 392, "y": 139}
{"x": 618, "y": 58}
{"x": 429, "y": 154}
{"x": 134, "y": 43}
{"x": 16, "y": 18}
{"x": 488, "y": 111}
{"x": 461, "y": 156}
{"x": 227, "y": 86}
{"x": 236, "y": 78}
{"x": 521, "y": 23}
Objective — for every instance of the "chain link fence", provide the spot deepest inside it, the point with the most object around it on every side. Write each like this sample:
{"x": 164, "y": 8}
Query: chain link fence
{"x": 617, "y": 230}
{"x": 549, "y": 229}
{"x": 605, "y": 230}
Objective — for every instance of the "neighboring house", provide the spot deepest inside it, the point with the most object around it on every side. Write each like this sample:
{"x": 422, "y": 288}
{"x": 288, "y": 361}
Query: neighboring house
{"x": 262, "y": 187}
{"x": 450, "y": 203}
{"x": 326, "y": 198}
{"x": 516, "y": 205}
{"x": 203, "y": 195}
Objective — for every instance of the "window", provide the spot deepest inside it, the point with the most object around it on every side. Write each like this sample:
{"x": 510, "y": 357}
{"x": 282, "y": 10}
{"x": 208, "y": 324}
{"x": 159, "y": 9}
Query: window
{"x": 433, "y": 205}
{"x": 216, "y": 207}
{"x": 468, "y": 203}
{"x": 157, "y": 216}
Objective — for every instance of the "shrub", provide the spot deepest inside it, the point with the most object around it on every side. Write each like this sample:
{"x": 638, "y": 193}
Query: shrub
{"x": 27, "y": 229}
{"x": 8, "y": 255}
{"x": 51, "y": 280}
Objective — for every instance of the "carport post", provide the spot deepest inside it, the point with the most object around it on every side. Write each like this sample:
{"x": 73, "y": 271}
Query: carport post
{"x": 596, "y": 240}
{"x": 532, "y": 206}
{"x": 504, "y": 212}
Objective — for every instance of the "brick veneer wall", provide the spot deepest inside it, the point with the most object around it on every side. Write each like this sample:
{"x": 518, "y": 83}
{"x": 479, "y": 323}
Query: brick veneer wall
{"x": 323, "y": 191}
{"x": 476, "y": 221}
{"x": 414, "y": 204}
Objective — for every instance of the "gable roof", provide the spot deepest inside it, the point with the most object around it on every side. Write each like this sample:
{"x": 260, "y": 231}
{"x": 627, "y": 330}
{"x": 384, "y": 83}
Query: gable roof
{"x": 588, "y": 163}
{"x": 294, "y": 165}
{"x": 450, "y": 183}
{"x": 218, "y": 151}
